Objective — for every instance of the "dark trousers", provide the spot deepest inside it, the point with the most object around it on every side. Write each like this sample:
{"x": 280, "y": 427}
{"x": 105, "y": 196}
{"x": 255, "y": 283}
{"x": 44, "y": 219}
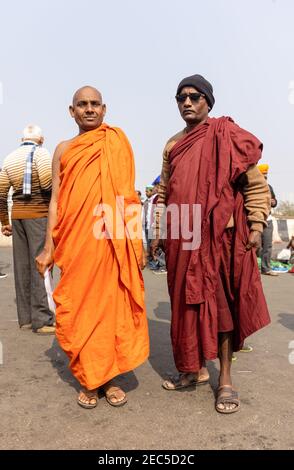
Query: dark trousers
{"x": 31, "y": 297}
{"x": 266, "y": 247}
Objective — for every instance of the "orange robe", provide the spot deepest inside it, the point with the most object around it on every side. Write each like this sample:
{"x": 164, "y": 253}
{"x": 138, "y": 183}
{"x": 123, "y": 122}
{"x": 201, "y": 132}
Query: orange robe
{"x": 100, "y": 313}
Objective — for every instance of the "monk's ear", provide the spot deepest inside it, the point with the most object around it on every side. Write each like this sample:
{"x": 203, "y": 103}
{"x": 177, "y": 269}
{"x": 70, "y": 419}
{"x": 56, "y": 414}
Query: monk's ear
{"x": 71, "y": 110}
{"x": 104, "y": 109}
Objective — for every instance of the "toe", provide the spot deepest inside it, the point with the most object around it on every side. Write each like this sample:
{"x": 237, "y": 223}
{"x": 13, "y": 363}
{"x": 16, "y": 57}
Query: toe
{"x": 220, "y": 406}
{"x": 168, "y": 384}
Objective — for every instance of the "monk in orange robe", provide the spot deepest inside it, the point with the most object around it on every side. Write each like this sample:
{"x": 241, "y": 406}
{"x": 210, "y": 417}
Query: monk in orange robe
{"x": 94, "y": 239}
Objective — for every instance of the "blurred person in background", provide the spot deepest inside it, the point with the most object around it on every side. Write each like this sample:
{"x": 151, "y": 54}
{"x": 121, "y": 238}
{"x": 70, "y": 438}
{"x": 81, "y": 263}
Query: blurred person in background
{"x": 27, "y": 170}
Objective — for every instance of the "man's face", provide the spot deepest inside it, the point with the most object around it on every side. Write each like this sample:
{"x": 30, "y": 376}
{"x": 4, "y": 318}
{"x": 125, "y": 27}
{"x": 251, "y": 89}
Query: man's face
{"x": 194, "y": 108}
{"x": 148, "y": 192}
{"x": 87, "y": 109}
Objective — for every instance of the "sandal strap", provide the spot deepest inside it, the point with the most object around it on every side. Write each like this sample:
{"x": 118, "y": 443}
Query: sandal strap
{"x": 113, "y": 395}
{"x": 89, "y": 397}
{"x": 227, "y": 395}
{"x": 234, "y": 401}
{"x": 177, "y": 379}
{"x": 114, "y": 389}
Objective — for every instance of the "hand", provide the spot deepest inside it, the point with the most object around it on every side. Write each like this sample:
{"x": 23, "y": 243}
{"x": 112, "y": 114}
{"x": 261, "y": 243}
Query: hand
{"x": 44, "y": 261}
{"x": 144, "y": 260}
{"x": 6, "y": 230}
{"x": 254, "y": 240}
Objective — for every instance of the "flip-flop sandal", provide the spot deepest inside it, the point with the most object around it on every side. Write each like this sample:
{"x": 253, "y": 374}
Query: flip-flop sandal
{"x": 178, "y": 384}
{"x": 110, "y": 396}
{"x": 246, "y": 349}
{"x": 226, "y": 395}
{"x": 88, "y": 406}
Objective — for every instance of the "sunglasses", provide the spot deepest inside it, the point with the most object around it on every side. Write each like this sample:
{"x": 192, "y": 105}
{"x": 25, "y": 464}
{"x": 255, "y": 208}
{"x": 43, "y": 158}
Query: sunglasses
{"x": 192, "y": 96}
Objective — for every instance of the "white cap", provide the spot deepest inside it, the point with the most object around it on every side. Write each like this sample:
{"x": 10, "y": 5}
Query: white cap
{"x": 32, "y": 132}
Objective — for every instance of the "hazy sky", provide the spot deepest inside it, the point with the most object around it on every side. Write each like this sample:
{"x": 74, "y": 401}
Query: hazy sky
{"x": 136, "y": 52}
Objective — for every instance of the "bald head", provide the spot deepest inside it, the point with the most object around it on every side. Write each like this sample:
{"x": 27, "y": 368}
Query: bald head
{"x": 86, "y": 90}
{"x": 87, "y": 108}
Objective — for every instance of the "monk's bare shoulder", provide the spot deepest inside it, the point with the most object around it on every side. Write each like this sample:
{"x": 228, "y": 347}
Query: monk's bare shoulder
{"x": 176, "y": 137}
{"x": 172, "y": 141}
{"x": 61, "y": 147}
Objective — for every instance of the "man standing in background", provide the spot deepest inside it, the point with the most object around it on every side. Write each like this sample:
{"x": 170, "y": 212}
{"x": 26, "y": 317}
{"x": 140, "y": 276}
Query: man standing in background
{"x": 2, "y": 275}
{"x": 147, "y": 211}
{"x": 267, "y": 235}
{"x": 28, "y": 171}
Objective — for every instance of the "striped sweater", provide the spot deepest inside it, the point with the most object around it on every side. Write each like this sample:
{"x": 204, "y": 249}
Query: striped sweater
{"x": 12, "y": 174}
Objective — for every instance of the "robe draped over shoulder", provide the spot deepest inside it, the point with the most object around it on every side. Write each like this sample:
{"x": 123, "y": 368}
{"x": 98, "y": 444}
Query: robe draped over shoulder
{"x": 100, "y": 312}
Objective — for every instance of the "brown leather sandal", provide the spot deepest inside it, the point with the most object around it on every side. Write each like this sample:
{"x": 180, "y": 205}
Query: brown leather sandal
{"x": 227, "y": 395}
{"x": 182, "y": 381}
{"x": 111, "y": 397}
{"x": 91, "y": 395}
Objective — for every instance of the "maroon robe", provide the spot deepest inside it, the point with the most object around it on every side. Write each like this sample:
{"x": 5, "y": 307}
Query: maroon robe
{"x": 216, "y": 287}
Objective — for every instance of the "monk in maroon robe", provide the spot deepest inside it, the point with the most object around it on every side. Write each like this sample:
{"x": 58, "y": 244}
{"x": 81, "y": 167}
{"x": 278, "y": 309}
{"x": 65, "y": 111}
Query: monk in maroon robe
{"x": 214, "y": 285}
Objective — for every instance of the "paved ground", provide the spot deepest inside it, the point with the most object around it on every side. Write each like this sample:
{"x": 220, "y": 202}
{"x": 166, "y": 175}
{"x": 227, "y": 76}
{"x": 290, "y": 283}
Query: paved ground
{"x": 37, "y": 393}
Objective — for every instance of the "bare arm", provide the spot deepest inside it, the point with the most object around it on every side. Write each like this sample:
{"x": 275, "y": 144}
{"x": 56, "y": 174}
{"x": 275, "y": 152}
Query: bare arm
{"x": 46, "y": 258}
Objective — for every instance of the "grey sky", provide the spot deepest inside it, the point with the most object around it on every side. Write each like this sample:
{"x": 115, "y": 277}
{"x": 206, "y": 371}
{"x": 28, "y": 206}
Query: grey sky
{"x": 136, "y": 52}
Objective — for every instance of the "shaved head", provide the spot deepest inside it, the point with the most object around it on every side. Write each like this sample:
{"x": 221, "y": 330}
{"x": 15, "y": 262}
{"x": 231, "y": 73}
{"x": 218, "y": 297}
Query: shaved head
{"x": 86, "y": 90}
{"x": 87, "y": 108}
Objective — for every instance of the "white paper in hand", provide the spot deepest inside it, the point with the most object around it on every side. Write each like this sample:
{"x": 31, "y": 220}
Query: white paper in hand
{"x": 49, "y": 289}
